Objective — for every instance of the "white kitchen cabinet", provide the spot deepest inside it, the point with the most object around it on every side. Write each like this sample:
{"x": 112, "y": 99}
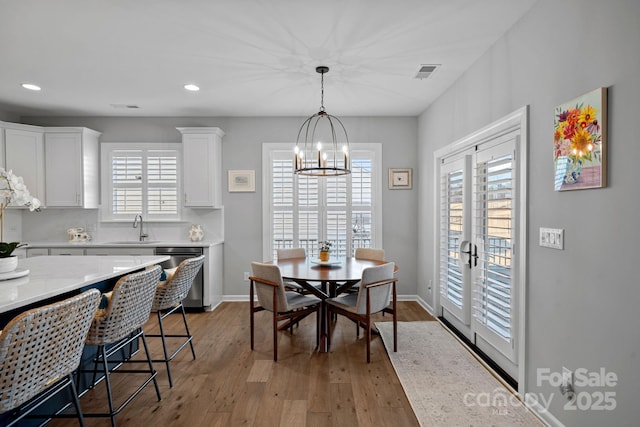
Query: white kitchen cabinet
{"x": 213, "y": 276}
{"x": 31, "y": 252}
{"x": 119, "y": 251}
{"x": 24, "y": 155}
{"x": 72, "y": 167}
{"x": 202, "y": 166}
{"x": 66, "y": 251}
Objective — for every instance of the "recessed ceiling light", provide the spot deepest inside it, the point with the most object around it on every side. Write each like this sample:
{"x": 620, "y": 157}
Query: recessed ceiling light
{"x": 127, "y": 106}
{"x": 192, "y": 87}
{"x": 30, "y": 86}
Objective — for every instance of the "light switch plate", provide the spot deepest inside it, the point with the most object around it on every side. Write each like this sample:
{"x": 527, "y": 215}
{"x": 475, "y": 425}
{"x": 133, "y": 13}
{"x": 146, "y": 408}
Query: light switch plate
{"x": 552, "y": 238}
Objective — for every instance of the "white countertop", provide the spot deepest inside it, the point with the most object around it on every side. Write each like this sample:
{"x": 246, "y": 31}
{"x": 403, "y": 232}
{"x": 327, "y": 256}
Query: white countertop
{"x": 50, "y": 276}
{"x": 127, "y": 244}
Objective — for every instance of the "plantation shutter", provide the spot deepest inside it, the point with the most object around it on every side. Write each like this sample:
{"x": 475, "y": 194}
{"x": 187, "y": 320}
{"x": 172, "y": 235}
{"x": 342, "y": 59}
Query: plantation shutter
{"x": 493, "y": 297}
{"x": 282, "y": 204}
{"x": 336, "y": 212}
{"x": 305, "y": 209}
{"x": 162, "y": 183}
{"x": 143, "y": 181}
{"x": 308, "y": 213}
{"x": 454, "y": 233}
{"x": 362, "y": 200}
{"x": 126, "y": 172}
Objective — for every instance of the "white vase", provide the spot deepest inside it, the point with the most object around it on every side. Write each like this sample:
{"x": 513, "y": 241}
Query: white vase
{"x": 196, "y": 233}
{"x": 8, "y": 264}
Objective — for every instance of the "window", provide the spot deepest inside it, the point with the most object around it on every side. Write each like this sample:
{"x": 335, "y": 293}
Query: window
{"x": 141, "y": 179}
{"x": 300, "y": 211}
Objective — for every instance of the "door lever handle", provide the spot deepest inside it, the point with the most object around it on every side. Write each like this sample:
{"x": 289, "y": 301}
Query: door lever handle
{"x": 467, "y": 252}
{"x": 475, "y": 255}
{"x": 471, "y": 252}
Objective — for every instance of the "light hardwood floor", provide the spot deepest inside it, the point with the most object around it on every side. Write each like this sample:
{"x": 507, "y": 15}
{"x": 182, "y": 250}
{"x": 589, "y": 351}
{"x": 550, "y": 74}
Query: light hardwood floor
{"x": 230, "y": 385}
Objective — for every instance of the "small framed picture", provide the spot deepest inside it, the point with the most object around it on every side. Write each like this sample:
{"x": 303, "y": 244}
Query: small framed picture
{"x": 242, "y": 181}
{"x": 400, "y": 179}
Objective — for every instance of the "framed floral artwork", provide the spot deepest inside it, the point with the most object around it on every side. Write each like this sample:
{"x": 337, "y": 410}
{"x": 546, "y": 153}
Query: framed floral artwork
{"x": 580, "y": 142}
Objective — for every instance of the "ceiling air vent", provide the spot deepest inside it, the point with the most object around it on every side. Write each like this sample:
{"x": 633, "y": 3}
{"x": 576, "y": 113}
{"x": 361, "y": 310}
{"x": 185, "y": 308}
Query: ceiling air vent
{"x": 125, "y": 106}
{"x": 425, "y": 71}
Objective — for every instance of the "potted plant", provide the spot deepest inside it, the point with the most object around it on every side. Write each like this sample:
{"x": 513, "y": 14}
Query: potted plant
{"x": 12, "y": 191}
{"x": 325, "y": 250}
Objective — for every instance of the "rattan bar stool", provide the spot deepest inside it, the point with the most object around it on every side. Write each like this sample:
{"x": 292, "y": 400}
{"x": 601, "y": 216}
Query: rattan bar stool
{"x": 39, "y": 350}
{"x": 120, "y": 325}
{"x": 168, "y": 299}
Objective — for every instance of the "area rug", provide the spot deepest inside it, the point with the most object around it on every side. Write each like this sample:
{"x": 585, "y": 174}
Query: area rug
{"x": 445, "y": 384}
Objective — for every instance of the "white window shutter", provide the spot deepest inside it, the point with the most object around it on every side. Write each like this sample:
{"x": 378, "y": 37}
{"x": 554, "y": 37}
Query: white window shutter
{"x": 141, "y": 180}
{"x": 305, "y": 210}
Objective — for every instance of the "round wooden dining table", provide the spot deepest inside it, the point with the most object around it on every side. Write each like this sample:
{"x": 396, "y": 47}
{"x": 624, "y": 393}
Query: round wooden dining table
{"x": 333, "y": 278}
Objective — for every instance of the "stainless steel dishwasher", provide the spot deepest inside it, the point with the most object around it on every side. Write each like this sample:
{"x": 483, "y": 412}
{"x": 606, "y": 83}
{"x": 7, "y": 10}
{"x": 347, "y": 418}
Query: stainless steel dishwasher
{"x": 194, "y": 299}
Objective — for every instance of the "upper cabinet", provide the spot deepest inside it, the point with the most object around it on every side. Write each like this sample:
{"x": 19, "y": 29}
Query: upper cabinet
{"x": 24, "y": 155}
{"x": 202, "y": 166}
{"x": 72, "y": 167}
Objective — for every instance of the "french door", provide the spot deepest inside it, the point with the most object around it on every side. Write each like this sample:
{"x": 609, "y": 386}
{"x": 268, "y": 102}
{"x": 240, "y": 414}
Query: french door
{"x": 455, "y": 204}
{"x": 478, "y": 237}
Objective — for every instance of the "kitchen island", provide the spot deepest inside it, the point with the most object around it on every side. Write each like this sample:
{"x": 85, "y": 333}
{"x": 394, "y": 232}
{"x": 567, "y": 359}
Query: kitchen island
{"x": 56, "y": 277}
{"x": 207, "y": 290}
{"x": 53, "y": 278}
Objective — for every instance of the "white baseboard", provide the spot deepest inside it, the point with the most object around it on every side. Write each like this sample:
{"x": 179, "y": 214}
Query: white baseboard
{"x": 542, "y": 413}
{"x": 235, "y": 298}
{"x": 424, "y": 305}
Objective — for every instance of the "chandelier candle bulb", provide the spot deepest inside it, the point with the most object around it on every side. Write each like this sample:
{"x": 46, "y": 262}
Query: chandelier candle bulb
{"x": 344, "y": 150}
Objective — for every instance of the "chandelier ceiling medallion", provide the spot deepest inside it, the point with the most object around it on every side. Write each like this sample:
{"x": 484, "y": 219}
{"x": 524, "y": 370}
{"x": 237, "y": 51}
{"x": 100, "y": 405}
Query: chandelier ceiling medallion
{"x": 319, "y": 151}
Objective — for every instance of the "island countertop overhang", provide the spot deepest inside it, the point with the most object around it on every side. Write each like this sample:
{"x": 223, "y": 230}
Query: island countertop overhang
{"x": 52, "y": 276}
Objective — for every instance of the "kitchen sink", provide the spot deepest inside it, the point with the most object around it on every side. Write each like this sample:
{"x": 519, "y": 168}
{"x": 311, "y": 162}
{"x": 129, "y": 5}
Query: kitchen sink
{"x": 133, "y": 242}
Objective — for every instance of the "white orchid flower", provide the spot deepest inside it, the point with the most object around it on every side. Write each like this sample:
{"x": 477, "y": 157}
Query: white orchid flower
{"x": 14, "y": 191}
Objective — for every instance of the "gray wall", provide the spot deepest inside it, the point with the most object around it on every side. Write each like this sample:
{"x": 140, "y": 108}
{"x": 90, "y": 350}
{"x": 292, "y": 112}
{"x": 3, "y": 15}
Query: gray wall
{"x": 581, "y": 302}
{"x": 6, "y": 116}
{"x": 242, "y": 149}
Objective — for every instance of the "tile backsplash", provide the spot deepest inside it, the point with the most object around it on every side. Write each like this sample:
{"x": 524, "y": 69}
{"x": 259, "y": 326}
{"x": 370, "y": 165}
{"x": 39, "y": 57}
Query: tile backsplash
{"x": 51, "y": 225}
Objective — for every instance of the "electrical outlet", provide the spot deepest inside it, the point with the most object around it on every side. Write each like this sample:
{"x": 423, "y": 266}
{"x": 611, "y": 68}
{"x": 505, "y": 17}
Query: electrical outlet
{"x": 552, "y": 238}
{"x": 246, "y": 276}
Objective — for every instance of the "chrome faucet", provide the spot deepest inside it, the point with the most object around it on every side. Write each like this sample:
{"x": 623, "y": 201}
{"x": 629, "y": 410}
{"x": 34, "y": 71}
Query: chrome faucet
{"x": 143, "y": 235}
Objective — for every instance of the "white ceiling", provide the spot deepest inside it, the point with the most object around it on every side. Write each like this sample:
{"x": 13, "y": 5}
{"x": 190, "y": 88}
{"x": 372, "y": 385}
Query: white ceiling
{"x": 250, "y": 57}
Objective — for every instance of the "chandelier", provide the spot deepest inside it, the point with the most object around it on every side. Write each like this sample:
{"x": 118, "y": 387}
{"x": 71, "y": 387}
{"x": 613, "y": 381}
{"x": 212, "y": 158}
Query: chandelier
{"x": 318, "y": 151}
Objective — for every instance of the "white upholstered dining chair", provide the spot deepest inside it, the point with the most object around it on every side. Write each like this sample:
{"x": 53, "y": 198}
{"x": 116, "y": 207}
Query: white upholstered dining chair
{"x": 369, "y": 253}
{"x": 289, "y": 253}
{"x": 377, "y": 290}
{"x": 374, "y": 254}
{"x": 272, "y": 296}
